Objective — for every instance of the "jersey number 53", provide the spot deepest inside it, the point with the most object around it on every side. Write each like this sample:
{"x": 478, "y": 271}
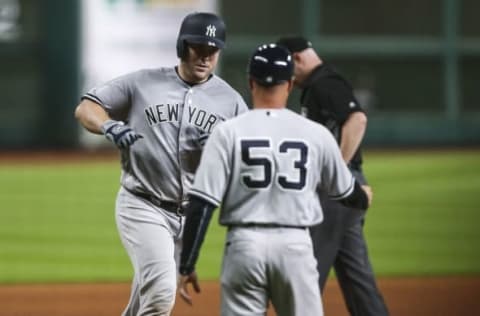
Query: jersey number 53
{"x": 260, "y": 153}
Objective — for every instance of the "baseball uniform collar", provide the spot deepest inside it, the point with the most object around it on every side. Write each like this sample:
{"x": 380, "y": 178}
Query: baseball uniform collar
{"x": 189, "y": 84}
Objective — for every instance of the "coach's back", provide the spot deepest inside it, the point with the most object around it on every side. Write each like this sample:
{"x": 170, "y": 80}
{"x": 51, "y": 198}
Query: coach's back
{"x": 278, "y": 160}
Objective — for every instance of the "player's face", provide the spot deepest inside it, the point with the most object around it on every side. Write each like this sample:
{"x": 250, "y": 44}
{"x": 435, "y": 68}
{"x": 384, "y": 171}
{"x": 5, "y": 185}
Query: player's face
{"x": 199, "y": 63}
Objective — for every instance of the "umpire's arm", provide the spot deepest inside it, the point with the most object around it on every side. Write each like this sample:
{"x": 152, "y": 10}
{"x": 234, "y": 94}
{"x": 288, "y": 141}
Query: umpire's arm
{"x": 352, "y": 134}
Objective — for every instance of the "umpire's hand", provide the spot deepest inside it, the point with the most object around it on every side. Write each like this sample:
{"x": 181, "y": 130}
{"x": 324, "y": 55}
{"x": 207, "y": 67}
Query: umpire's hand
{"x": 120, "y": 134}
{"x": 183, "y": 286}
{"x": 369, "y": 193}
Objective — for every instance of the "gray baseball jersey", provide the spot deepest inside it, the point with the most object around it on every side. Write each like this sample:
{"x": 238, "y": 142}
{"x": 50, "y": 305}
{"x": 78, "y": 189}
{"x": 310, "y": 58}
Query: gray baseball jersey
{"x": 267, "y": 160}
{"x": 265, "y": 168}
{"x": 175, "y": 120}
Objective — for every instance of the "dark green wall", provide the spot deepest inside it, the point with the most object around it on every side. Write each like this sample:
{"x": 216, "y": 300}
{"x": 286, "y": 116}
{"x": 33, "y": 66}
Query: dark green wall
{"x": 39, "y": 71}
{"x": 415, "y": 63}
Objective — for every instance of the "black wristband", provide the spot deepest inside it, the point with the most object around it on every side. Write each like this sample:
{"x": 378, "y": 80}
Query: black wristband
{"x": 186, "y": 270}
{"x": 357, "y": 199}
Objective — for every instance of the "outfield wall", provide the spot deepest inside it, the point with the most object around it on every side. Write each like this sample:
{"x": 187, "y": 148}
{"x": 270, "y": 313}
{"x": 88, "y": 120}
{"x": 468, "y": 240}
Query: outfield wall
{"x": 414, "y": 65}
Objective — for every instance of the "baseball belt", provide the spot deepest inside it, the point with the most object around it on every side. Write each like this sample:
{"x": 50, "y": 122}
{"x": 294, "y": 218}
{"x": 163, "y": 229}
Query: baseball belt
{"x": 168, "y": 206}
{"x": 264, "y": 225}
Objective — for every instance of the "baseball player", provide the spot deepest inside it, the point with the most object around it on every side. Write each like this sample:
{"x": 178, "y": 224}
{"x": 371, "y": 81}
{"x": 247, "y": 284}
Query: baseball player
{"x": 160, "y": 120}
{"x": 264, "y": 168}
{"x": 328, "y": 98}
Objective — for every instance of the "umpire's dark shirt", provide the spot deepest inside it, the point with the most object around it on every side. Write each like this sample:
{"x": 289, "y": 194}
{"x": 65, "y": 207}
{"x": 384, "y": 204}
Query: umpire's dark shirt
{"x": 328, "y": 99}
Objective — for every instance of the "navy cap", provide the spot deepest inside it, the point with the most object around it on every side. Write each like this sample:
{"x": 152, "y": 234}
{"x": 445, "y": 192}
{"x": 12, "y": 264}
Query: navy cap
{"x": 201, "y": 28}
{"x": 270, "y": 65}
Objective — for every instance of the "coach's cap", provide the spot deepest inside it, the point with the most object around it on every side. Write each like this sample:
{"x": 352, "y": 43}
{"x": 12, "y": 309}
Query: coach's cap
{"x": 294, "y": 43}
{"x": 270, "y": 65}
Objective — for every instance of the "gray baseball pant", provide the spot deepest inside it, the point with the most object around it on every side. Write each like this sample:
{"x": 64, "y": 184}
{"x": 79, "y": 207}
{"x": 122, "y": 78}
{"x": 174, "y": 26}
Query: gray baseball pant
{"x": 151, "y": 237}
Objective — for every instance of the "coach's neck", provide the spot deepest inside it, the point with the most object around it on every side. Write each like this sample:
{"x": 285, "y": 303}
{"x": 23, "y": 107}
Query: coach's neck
{"x": 270, "y": 97}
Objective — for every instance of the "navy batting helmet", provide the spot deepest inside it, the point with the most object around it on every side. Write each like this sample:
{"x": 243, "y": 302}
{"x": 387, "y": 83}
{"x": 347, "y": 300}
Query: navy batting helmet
{"x": 270, "y": 65}
{"x": 201, "y": 28}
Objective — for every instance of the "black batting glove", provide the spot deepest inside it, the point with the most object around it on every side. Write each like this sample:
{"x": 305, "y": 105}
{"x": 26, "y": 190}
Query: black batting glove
{"x": 120, "y": 134}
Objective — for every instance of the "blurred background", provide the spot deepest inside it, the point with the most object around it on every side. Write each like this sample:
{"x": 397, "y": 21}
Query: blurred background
{"x": 414, "y": 64}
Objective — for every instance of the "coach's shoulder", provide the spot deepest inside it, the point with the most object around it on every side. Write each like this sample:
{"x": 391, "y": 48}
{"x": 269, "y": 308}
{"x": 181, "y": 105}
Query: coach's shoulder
{"x": 311, "y": 124}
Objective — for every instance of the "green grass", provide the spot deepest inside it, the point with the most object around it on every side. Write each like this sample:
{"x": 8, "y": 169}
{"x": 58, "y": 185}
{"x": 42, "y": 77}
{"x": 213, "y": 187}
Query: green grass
{"x": 57, "y": 220}
{"x": 57, "y": 223}
{"x": 424, "y": 219}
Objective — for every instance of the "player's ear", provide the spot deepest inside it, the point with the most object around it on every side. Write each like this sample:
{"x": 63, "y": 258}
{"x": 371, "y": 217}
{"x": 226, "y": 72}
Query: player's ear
{"x": 297, "y": 58}
{"x": 290, "y": 84}
{"x": 250, "y": 83}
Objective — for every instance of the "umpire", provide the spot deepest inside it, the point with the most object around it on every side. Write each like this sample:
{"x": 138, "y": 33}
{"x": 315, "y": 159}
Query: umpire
{"x": 328, "y": 98}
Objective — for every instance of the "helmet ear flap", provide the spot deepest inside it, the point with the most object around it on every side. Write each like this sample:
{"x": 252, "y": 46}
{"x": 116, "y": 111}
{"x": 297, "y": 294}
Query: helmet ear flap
{"x": 180, "y": 48}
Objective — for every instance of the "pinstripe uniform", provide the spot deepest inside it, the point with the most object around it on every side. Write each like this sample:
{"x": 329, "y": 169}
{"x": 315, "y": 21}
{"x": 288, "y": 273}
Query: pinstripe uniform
{"x": 265, "y": 168}
{"x": 175, "y": 119}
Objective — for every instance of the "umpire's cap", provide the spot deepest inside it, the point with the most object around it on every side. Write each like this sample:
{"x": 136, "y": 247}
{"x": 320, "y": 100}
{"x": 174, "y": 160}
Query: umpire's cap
{"x": 294, "y": 43}
{"x": 201, "y": 28}
{"x": 270, "y": 65}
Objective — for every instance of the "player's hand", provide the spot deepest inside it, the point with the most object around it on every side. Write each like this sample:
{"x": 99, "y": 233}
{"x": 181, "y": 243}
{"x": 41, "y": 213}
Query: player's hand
{"x": 120, "y": 134}
{"x": 183, "y": 286}
{"x": 369, "y": 192}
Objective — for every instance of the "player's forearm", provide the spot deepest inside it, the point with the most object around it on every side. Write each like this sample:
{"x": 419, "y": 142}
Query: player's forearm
{"x": 352, "y": 134}
{"x": 198, "y": 215}
{"x": 91, "y": 115}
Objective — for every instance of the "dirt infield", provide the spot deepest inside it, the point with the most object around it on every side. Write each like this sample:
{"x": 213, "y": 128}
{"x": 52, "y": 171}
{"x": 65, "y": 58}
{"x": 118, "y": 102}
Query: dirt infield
{"x": 404, "y": 296}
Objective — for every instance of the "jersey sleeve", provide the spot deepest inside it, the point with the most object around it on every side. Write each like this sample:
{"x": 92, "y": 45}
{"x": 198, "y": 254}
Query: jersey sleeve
{"x": 336, "y": 180}
{"x": 212, "y": 174}
{"x": 114, "y": 96}
{"x": 241, "y": 105}
{"x": 339, "y": 98}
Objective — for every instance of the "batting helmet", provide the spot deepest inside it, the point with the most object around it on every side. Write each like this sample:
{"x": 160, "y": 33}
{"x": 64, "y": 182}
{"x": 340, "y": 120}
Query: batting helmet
{"x": 270, "y": 65}
{"x": 201, "y": 28}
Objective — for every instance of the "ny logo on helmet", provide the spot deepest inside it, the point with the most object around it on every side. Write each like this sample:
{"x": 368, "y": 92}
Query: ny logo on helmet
{"x": 211, "y": 30}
